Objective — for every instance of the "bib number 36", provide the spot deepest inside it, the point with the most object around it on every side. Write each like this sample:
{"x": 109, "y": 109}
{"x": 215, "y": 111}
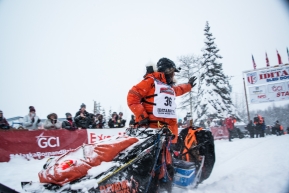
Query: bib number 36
{"x": 168, "y": 101}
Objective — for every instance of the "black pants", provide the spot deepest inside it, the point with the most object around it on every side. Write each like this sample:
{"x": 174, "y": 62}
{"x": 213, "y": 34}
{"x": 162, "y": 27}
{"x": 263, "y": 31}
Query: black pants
{"x": 230, "y": 134}
{"x": 262, "y": 133}
{"x": 251, "y": 134}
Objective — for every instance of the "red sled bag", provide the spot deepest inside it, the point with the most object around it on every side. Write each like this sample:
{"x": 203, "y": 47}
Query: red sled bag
{"x": 75, "y": 163}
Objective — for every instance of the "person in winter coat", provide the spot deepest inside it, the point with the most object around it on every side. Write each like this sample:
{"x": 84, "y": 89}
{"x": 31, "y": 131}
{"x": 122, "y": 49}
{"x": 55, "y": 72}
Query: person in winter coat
{"x": 259, "y": 122}
{"x": 229, "y": 123}
{"x": 121, "y": 122}
{"x": 68, "y": 124}
{"x": 3, "y": 122}
{"x": 153, "y": 99}
{"x": 51, "y": 122}
{"x": 98, "y": 121}
{"x": 132, "y": 121}
{"x": 202, "y": 124}
{"x": 112, "y": 122}
{"x": 251, "y": 128}
{"x": 82, "y": 118}
{"x": 278, "y": 128}
{"x": 31, "y": 121}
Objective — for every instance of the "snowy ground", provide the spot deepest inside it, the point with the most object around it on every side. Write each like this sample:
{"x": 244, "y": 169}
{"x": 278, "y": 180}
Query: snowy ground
{"x": 244, "y": 165}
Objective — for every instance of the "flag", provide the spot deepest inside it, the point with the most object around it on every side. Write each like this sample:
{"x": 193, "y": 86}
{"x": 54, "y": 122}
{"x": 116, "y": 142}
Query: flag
{"x": 267, "y": 60}
{"x": 288, "y": 54}
{"x": 254, "y": 64}
{"x": 279, "y": 58}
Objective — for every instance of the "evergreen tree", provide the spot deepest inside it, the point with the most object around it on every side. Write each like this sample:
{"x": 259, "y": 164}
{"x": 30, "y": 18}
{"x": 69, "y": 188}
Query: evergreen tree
{"x": 214, "y": 91}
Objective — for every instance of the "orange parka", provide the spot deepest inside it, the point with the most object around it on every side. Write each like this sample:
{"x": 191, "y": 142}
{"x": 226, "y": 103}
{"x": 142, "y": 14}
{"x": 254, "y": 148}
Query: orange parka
{"x": 145, "y": 91}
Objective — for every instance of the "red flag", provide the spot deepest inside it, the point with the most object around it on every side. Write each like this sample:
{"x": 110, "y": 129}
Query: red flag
{"x": 267, "y": 60}
{"x": 254, "y": 64}
{"x": 279, "y": 58}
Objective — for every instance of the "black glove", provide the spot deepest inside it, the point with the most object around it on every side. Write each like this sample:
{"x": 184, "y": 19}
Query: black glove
{"x": 145, "y": 121}
{"x": 192, "y": 81}
{"x": 32, "y": 120}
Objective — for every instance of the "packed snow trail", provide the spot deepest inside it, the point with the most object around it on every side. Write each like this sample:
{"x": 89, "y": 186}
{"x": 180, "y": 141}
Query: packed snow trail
{"x": 250, "y": 166}
{"x": 243, "y": 166}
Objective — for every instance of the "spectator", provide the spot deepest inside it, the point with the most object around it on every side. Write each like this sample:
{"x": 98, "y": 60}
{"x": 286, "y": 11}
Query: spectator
{"x": 230, "y": 126}
{"x": 277, "y": 127}
{"x": 112, "y": 123}
{"x": 31, "y": 121}
{"x": 121, "y": 122}
{"x": 208, "y": 124}
{"x": 3, "y": 122}
{"x": 132, "y": 121}
{"x": 258, "y": 121}
{"x": 185, "y": 122}
{"x": 251, "y": 128}
{"x": 98, "y": 121}
{"x": 263, "y": 128}
{"x": 69, "y": 124}
{"x": 202, "y": 124}
{"x": 221, "y": 122}
{"x": 268, "y": 130}
{"x": 51, "y": 122}
{"x": 82, "y": 117}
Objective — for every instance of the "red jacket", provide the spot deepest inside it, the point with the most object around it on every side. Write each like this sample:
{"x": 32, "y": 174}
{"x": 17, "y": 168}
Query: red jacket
{"x": 229, "y": 123}
{"x": 143, "y": 110}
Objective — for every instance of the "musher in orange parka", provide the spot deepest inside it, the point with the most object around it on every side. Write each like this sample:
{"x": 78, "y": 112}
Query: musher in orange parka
{"x": 153, "y": 99}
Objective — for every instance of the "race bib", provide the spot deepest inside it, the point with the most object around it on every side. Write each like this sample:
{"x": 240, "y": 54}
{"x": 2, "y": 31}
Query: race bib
{"x": 165, "y": 101}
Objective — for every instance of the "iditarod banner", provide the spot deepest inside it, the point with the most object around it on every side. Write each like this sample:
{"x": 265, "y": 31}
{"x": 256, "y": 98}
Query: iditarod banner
{"x": 268, "y": 84}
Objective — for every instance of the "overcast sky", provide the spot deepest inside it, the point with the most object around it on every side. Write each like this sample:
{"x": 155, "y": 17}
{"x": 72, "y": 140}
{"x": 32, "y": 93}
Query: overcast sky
{"x": 55, "y": 55}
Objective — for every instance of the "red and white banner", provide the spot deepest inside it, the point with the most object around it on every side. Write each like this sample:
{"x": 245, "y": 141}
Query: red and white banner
{"x": 44, "y": 143}
{"x": 40, "y": 143}
{"x": 94, "y": 135}
{"x": 220, "y": 132}
{"x": 268, "y": 84}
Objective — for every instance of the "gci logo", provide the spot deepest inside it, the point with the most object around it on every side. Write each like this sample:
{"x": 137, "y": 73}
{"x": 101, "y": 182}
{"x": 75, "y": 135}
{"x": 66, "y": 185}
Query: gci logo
{"x": 277, "y": 88}
{"x": 47, "y": 141}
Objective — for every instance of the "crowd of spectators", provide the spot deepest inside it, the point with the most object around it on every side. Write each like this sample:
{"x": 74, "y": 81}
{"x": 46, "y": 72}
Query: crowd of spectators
{"x": 81, "y": 120}
{"x": 258, "y": 128}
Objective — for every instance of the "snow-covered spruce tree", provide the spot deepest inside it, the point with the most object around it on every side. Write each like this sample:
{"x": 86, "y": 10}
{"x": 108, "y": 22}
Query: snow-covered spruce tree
{"x": 189, "y": 67}
{"x": 214, "y": 91}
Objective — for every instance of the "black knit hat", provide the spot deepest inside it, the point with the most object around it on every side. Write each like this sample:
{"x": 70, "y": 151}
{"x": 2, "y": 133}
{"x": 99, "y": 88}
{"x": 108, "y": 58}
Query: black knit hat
{"x": 82, "y": 105}
{"x": 31, "y": 108}
{"x": 1, "y": 111}
{"x": 67, "y": 114}
{"x": 167, "y": 66}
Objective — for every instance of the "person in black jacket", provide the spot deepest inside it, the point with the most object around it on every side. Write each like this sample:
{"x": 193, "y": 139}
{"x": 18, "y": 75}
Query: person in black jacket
{"x": 251, "y": 128}
{"x": 3, "y": 122}
{"x": 69, "y": 124}
{"x": 121, "y": 122}
{"x": 112, "y": 123}
{"x": 277, "y": 126}
{"x": 98, "y": 121}
{"x": 132, "y": 121}
{"x": 82, "y": 118}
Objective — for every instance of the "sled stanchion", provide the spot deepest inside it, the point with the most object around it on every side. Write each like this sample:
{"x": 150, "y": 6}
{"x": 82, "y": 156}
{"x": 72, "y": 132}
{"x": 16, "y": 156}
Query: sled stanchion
{"x": 155, "y": 162}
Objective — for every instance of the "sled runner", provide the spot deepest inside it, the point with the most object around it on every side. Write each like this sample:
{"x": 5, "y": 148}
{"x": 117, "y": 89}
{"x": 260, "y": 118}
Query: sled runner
{"x": 145, "y": 166}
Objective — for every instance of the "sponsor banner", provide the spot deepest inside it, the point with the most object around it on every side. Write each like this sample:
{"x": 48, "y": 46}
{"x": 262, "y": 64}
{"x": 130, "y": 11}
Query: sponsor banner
{"x": 269, "y": 93}
{"x": 39, "y": 143}
{"x": 220, "y": 132}
{"x": 266, "y": 76}
{"x": 94, "y": 135}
